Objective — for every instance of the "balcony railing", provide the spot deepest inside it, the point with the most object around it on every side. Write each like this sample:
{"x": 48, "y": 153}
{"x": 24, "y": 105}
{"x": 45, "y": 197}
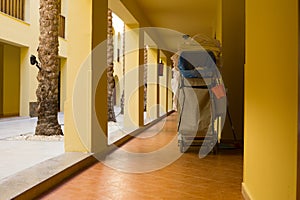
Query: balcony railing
{"x": 13, "y": 8}
{"x": 61, "y": 26}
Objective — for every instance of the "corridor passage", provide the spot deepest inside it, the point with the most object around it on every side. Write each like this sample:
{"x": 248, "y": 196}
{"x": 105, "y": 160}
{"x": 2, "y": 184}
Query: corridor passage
{"x": 188, "y": 177}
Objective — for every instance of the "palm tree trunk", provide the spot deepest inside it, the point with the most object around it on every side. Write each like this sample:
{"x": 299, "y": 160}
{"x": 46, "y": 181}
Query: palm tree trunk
{"x": 123, "y": 91}
{"x": 110, "y": 69}
{"x": 47, "y": 91}
{"x": 145, "y": 76}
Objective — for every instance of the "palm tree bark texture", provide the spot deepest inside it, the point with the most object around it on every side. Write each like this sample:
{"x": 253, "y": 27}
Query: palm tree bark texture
{"x": 123, "y": 70}
{"x": 47, "y": 91}
{"x": 145, "y": 76}
{"x": 110, "y": 69}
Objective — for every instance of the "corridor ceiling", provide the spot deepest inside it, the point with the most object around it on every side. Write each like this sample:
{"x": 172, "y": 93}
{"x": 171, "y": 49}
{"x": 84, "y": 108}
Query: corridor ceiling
{"x": 186, "y": 16}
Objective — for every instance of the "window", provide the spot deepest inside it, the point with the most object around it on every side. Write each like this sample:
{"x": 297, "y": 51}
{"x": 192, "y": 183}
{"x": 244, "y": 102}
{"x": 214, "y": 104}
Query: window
{"x": 13, "y": 8}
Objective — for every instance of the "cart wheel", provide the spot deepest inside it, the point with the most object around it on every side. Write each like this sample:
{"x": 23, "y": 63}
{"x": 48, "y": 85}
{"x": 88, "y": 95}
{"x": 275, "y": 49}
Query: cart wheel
{"x": 181, "y": 146}
{"x": 215, "y": 150}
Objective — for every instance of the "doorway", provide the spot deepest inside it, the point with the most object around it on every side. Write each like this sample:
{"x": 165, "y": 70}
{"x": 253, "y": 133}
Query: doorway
{"x": 9, "y": 80}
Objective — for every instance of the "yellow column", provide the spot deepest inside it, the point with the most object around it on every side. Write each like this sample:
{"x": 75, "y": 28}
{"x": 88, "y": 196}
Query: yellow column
{"x": 131, "y": 108}
{"x": 99, "y": 76}
{"x": 1, "y": 80}
{"x": 271, "y": 99}
{"x": 152, "y": 85}
{"x": 233, "y": 26}
{"x": 141, "y": 77}
{"x": 25, "y": 81}
{"x": 169, "y": 88}
{"x": 77, "y": 127}
{"x": 162, "y": 87}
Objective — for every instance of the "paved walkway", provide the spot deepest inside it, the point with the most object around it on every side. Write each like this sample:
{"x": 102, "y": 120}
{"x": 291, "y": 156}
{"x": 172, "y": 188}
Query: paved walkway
{"x": 17, "y": 155}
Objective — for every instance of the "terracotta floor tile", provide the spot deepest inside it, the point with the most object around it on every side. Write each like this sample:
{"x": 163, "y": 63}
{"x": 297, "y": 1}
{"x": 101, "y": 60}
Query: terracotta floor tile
{"x": 215, "y": 177}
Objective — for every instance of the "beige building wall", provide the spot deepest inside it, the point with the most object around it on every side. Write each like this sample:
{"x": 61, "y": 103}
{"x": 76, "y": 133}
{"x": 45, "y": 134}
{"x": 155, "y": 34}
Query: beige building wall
{"x": 25, "y": 35}
{"x": 11, "y": 80}
{"x": 1, "y": 80}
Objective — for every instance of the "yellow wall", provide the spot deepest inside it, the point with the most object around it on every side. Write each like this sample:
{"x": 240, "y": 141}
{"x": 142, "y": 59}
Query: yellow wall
{"x": 233, "y": 42}
{"x": 10, "y": 30}
{"x": 271, "y": 75}
{"x": 63, "y": 84}
{"x": 10, "y": 34}
{"x": 218, "y": 26}
{"x": 131, "y": 115}
{"x": 1, "y": 79}
{"x": 11, "y": 80}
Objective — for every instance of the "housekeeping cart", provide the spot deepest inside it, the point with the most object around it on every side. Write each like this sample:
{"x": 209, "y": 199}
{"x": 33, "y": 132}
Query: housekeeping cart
{"x": 201, "y": 101}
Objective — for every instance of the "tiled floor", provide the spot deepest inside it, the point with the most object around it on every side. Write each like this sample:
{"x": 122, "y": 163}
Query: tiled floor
{"x": 213, "y": 177}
